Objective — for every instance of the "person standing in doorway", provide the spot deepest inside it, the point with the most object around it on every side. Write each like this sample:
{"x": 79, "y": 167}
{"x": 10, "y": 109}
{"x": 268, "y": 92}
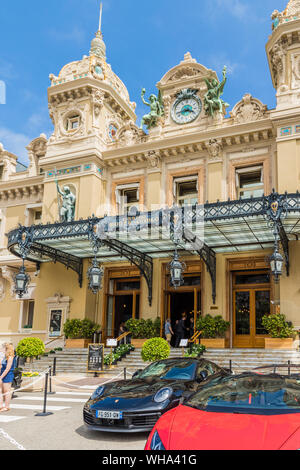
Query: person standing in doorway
{"x": 6, "y": 377}
{"x": 181, "y": 330}
{"x": 168, "y": 330}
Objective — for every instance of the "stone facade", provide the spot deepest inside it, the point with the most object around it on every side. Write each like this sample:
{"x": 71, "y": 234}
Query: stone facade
{"x": 98, "y": 150}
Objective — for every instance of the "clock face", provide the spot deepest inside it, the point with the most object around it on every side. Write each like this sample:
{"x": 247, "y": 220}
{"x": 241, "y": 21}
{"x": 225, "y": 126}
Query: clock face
{"x": 186, "y": 110}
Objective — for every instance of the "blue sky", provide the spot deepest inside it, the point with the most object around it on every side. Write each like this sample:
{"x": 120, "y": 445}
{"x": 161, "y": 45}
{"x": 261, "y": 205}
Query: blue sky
{"x": 144, "y": 39}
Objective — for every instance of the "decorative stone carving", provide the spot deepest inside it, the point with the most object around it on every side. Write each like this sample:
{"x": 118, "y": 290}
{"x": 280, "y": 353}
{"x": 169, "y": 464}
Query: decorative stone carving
{"x": 73, "y": 109}
{"x": 278, "y": 63}
{"x": 8, "y": 274}
{"x": 36, "y": 149}
{"x": 215, "y": 149}
{"x": 153, "y": 159}
{"x": 130, "y": 134}
{"x": 2, "y": 289}
{"x": 98, "y": 102}
{"x": 248, "y": 109}
{"x": 293, "y": 8}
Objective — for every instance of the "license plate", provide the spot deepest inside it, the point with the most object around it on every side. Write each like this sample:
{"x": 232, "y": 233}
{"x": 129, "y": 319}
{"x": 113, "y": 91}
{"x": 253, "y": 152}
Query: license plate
{"x": 109, "y": 414}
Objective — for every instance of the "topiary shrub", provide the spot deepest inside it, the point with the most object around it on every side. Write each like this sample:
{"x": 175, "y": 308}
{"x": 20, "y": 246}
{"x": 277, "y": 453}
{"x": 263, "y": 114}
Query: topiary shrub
{"x": 212, "y": 327}
{"x": 155, "y": 349}
{"x": 277, "y": 326}
{"x": 30, "y": 347}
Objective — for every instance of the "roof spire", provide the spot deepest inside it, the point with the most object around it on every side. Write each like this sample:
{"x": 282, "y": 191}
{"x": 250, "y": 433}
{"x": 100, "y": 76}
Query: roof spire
{"x": 100, "y": 18}
{"x": 98, "y": 47}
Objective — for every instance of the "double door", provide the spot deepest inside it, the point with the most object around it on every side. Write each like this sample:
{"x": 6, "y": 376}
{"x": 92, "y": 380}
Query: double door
{"x": 251, "y": 301}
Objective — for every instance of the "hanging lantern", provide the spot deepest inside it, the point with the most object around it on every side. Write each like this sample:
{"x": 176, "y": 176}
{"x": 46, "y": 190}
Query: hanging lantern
{"x": 276, "y": 262}
{"x": 176, "y": 268}
{"x": 21, "y": 280}
{"x": 95, "y": 275}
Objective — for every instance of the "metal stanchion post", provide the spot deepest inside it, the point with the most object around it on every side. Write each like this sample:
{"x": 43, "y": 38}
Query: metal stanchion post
{"x": 44, "y": 412}
{"x": 289, "y": 368}
{"x": 230, "y": 366}
{"x": 125, "y": 375}
{"x": 50, "y": 382}
{"x": 54, "y": 367}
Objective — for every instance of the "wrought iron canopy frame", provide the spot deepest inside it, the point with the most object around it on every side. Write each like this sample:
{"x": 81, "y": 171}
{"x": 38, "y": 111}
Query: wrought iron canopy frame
{"x": 34, "y": 243}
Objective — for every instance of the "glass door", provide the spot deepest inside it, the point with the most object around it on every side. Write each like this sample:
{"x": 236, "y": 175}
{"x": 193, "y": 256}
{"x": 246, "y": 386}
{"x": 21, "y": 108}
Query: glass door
{"x": 250, "y": 303}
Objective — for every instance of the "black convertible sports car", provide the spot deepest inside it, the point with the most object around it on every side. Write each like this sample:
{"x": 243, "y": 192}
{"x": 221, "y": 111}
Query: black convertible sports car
{"x": 135, "y": 405}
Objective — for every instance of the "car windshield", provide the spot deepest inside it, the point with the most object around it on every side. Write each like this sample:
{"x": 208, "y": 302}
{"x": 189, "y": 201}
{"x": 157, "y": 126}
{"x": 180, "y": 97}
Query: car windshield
{"x": 249, "y": 393}
{"x": 170, "y": 370}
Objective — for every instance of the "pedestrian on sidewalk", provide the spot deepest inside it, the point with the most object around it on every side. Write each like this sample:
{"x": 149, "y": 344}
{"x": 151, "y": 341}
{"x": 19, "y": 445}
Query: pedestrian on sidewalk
{"x": 6, "y": 377}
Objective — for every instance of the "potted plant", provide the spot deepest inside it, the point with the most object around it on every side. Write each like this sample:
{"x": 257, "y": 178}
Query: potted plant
{"x": 281, "y": 332}
{"x": 196, "y": 350}
{"x": 30, "y": 348}
{"x": 79, "y": 333}
{"x": 213, "y": 331}
{"x": 155, "y": 349}
{"x": 142, "y": 330}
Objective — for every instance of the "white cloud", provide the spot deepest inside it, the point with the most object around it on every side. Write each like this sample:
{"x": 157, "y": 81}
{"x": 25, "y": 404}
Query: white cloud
{"x": 15, "y": 143}
{"x": 240, "y": 9}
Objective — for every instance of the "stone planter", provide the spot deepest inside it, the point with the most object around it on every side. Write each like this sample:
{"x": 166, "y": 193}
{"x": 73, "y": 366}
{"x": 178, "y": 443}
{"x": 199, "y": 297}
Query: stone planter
{"x": 138, "y": 343}
{"x": 215, "y": 343}
{"x": 279, "y": 343}
{"x": 32, "y": 384}
{"x": 77, "y": 343}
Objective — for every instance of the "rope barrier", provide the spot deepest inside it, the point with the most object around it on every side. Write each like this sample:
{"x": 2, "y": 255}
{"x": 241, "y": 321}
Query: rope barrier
{"x": 27, "y": 386}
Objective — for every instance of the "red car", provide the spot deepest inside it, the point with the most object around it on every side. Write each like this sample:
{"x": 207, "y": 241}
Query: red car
{"x": 243, "y": 412}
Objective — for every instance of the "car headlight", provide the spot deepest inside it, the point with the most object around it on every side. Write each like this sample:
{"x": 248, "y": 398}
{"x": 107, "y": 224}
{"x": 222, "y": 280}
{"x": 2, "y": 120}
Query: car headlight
{"x": 156, "y": 443}
{"x": 98, "y": 392}
{"x": 163, "y": 394}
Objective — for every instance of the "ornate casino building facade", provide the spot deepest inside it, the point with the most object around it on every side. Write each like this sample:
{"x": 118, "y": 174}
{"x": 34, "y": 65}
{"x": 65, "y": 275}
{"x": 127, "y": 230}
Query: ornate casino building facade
{"x": 217, "y": 187}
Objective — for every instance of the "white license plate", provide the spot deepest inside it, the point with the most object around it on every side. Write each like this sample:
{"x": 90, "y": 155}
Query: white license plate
{"x": 109, "y": 414}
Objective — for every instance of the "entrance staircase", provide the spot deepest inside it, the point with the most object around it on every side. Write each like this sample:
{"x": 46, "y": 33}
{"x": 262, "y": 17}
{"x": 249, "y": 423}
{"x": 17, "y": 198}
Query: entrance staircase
{"x": 74, "y": 361}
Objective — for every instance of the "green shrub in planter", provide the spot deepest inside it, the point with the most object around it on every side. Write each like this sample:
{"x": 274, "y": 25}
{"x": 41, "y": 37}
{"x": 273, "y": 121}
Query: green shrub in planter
{"x": 212, "y": 327}
{"x": 277, "y": 326}
{"x": 142, "y": 328}
{"x": 80, "y": 329}
{"x": 155, "y": 349}
{"x": 196, "y": 350}
{"x": 30, "y": 347}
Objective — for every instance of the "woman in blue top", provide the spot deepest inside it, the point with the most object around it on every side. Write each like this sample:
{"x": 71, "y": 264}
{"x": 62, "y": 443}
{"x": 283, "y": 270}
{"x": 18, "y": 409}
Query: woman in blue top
{"x": 6, "y": 377}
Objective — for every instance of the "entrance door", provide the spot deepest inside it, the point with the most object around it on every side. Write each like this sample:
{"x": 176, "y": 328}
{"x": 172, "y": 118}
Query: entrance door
{"x": 122, "y": 303}
{"x": 251, "y": 301}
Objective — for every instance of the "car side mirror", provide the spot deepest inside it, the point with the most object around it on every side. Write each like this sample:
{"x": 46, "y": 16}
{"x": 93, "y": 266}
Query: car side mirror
{"x": 202, "y": 376}
{"x": 136, "y": 373}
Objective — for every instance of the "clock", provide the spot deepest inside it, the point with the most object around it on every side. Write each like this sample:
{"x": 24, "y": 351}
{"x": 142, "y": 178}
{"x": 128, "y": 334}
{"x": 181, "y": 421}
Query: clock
{"x": 187, "y": 107}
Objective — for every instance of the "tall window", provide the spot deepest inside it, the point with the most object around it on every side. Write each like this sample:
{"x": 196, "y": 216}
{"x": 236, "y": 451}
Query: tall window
{"x": 28, "y": 314}
{"x": 127, "y": 198}
{"x": 1, "y": 171}
{"x": 186, "y": 191}
{"x": 250, "y": 182}
{"x": 34, "y": 215}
